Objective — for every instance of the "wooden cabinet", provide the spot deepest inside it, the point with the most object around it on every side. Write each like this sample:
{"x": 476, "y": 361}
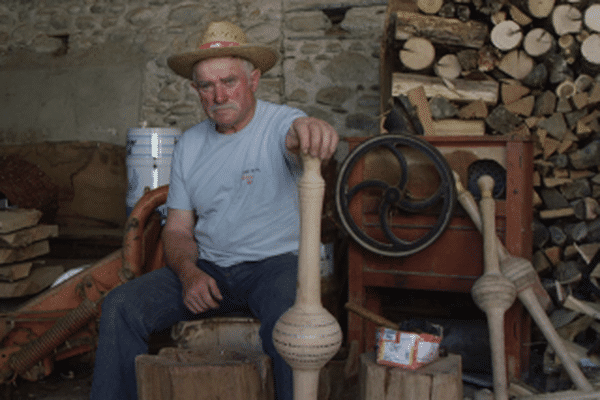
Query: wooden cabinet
{"x": 455, "y": 260}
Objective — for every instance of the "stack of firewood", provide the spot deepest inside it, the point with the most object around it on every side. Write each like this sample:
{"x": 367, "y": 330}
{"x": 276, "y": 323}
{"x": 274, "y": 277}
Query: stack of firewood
{"x": 526, "y": 68}
{"x": 22, "y": 242}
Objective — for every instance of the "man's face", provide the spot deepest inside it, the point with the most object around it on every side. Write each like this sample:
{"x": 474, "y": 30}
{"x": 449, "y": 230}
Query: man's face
{"x": 226, "y": 92}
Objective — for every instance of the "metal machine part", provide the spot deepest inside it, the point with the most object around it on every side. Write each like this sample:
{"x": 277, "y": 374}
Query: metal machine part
{"x": 403, "y": 174}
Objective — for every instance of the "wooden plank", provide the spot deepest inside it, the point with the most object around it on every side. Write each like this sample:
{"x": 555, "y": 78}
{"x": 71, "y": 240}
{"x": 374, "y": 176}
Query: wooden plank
{"x": 447, "y": 31}
{"x": 14, "y": 219}
{"x": 26, "y": 236}
{"x": 38, "y": 280}
{"x": 15, "y": 272}
{"x": 462, "y": 90}
{"x": 12, "y": 255}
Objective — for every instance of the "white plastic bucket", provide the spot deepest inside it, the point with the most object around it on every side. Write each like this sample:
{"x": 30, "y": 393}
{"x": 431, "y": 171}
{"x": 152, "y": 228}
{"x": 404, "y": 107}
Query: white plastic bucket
{"x": 151, "y": 142}
{"x": 145, "y": 173}
{"x": 149, "y": 154}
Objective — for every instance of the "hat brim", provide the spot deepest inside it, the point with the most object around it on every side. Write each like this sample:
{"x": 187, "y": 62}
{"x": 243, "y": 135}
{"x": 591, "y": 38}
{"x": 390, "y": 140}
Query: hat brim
{"x": 262, "y": 57}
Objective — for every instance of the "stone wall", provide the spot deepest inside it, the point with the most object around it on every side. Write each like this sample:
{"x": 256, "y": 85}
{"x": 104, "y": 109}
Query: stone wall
{"x": 87, "y": 70}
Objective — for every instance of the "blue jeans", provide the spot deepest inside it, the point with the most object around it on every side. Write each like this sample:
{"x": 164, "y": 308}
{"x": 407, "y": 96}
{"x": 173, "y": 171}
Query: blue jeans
{"x": 153, "y": 302}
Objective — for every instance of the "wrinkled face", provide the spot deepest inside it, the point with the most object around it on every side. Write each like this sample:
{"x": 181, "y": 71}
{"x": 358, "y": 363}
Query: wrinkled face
{"x": 226, "y": 88}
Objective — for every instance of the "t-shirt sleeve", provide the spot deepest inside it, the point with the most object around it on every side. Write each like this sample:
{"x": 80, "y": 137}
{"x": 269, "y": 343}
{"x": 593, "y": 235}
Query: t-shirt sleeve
{"x": 178, "y": 197}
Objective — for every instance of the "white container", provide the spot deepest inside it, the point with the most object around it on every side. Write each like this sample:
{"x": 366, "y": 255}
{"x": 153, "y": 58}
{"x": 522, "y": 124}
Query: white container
{"x": 143, "y": 174}
{"x": 151, "y": 142}
{"x": 149, "y": 153}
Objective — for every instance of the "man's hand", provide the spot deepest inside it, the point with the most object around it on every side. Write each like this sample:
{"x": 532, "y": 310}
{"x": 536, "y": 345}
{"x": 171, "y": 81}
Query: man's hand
{"x": 312, "y": 136}
{"x": 200, "y": 291}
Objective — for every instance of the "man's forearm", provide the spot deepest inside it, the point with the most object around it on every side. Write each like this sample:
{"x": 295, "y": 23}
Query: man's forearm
{"x": 181, "y": 252}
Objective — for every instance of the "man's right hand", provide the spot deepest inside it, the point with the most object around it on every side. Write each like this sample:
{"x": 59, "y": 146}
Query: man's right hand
{"x": 200, "y": 291}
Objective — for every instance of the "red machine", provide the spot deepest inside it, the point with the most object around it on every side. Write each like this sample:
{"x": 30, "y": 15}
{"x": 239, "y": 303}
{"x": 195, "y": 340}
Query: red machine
{"x": 62, "y": 321}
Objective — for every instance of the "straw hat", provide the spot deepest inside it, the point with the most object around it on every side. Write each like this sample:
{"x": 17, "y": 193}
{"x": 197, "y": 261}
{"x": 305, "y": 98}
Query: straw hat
{"x": 224, "y": 39}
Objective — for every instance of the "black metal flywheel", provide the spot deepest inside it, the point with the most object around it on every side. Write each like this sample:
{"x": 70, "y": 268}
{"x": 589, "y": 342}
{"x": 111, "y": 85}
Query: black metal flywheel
{"x": 397, "y": 193}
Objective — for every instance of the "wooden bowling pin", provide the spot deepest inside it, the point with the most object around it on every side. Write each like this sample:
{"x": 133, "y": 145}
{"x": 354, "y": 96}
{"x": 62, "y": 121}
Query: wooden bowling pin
{"x": 492, "y": 292}
{"x": 307, "y": 336}
{"x": 521, "y": 272}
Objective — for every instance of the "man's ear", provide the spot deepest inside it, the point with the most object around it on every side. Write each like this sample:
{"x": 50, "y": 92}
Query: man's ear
{"x": 255, "y": 79}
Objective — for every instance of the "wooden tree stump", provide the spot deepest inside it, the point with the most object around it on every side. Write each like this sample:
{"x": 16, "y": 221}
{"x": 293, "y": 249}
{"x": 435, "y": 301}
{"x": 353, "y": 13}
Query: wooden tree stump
{"x": 440, "y": 380}
{"x": 184, "y": 374}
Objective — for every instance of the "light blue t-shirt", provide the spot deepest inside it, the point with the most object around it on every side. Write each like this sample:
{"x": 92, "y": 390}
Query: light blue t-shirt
{"x": 242, "y": 187}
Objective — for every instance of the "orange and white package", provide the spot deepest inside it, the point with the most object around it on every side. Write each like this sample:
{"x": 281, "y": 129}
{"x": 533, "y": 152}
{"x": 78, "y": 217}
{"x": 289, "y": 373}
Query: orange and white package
{"x": 406, "y": 349}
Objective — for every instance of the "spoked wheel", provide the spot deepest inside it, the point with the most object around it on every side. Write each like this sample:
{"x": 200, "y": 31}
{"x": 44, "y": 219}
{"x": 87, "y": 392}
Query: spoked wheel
{"x": 404, "y": 177}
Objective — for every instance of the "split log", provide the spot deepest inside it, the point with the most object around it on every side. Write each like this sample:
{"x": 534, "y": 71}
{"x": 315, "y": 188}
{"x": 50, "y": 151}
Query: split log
{"x": 448, "y": 67}
{"x": 418, "y": 100}
{"x": 457, "y": 127}
{"x": 516, "y": 64}
{"x": 446, "y": 31}
{"x": 474, "y": 110}
{"x": 12, "y": 220}
{"x": 11, "y": 255}
{"x": 519, "y": 16}
{"x": 538, "y": 42}
{"x": 39, "y": 279}
{"x": 26, "y": 236}
{"x": 15, "y": 272}
{"x": 566, "y": 19}
{"x": 557, "y": 213}
{"x": 523, "y": 107}
{"x": 462, "y": 89}
{"x": 417, "y": 54}
{"x": 506, "y": 36}
{"x": 513, "y": 92}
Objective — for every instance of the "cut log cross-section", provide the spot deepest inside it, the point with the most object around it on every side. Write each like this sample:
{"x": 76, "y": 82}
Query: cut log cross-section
{"x": 507, "y": 35}
{"x": 591, "y": 17}
{"x": 540, "y": 8}
{"x": 538, "y": 42}
{"x": 417, "y": 54}
{"x": 566, "y": 19}
{"x": 590, "y": 52}
{"x": 448, "y": 67}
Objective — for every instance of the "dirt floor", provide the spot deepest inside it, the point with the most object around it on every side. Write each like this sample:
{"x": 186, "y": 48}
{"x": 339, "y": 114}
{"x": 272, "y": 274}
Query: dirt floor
{"x": 69, "y": 381}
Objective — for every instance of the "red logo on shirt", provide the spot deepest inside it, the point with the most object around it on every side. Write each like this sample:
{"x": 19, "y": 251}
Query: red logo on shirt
{"x": 247, "y": 178}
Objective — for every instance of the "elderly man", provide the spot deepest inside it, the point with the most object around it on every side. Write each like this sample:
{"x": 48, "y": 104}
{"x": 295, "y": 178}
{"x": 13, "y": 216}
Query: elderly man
{"x": 231, "y": 234}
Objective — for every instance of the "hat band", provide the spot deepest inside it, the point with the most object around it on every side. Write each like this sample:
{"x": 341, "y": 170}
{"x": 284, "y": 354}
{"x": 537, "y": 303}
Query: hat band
{"x": 216, "y": 44}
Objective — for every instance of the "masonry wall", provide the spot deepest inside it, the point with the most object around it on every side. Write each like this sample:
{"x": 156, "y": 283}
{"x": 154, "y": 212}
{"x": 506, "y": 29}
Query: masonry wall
{"x": 87, "y": 70}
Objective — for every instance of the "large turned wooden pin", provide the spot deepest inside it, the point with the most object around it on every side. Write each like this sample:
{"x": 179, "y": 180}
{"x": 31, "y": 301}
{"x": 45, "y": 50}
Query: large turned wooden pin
{"x": 492, "y": 292}
{"x": 520, "y": 271}
{"x": 307, "y": 336}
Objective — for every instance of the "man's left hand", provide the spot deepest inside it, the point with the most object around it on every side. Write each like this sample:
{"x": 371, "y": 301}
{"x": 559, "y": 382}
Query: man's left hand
{"x": 312, "y": 136}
